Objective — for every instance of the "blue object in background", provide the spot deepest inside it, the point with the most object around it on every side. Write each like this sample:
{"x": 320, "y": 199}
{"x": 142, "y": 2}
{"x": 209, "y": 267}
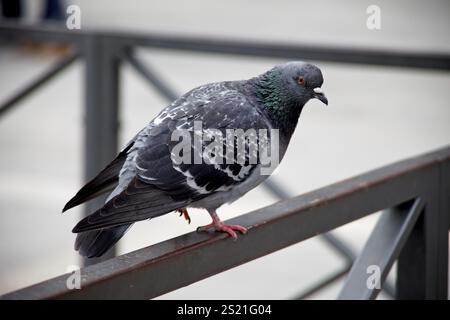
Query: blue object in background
{"x": 53, "y": 10}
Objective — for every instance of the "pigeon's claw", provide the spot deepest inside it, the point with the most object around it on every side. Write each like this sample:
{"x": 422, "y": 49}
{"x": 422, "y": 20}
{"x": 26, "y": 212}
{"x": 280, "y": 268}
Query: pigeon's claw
{"x": 228, "y": 228}
{"x": 218, "y": 225}
{"x": 184, "y": 212}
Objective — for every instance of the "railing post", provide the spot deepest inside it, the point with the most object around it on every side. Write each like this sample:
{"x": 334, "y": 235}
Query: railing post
{"x": 411, "y": 265}
{"x": 101, "y": 113}
{"x": 422, "y": 271}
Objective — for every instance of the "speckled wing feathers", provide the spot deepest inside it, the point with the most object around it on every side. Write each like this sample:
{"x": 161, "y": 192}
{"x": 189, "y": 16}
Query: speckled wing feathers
{"x": 160, "y": 186}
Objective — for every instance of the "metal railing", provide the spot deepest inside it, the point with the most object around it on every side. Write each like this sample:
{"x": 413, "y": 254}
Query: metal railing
{"x": 414, "y": 231}
{"x": 103, "y": 53}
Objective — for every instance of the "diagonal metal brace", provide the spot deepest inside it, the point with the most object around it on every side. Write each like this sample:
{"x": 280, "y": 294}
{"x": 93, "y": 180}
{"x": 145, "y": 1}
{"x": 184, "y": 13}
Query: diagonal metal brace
{"x": 381, "y": 250}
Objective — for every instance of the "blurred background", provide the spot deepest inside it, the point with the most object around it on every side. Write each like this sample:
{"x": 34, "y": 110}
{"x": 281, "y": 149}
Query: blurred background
{"x": 376, "y": 116}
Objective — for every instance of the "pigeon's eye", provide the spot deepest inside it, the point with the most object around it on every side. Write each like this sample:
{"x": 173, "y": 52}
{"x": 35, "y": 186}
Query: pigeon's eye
{"x": 301, "y": 81}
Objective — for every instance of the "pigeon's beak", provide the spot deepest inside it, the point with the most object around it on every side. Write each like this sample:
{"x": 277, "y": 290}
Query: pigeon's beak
{"x": 318, "y": 94}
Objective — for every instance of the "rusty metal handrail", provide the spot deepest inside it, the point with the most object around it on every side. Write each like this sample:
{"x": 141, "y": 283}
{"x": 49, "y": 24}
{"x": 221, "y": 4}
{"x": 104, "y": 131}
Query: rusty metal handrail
{"x": 172, "y": 264}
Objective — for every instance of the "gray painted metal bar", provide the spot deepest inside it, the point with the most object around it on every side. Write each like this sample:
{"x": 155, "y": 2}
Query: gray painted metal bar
{"x": 102, "y": 113}
{"x": 13, "y": 31}
{"x": 353, "y": 55}
{"x": 398, "y": 58}
{"x": 157, "y": 269}
{"x": 422, "y": 271}
{"x": 38, "y": 82}
{"x": 329, "y": 238}
{"x": 381, "y": 250}
{"x": 278, "y": 191}
{"x": 339, "y": 245}
{"x": 150, "y": 75}
{"x": 323, "y": 283}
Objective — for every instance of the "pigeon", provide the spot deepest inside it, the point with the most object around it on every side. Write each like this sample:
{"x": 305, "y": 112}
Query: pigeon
{"x": 147, "y": 178}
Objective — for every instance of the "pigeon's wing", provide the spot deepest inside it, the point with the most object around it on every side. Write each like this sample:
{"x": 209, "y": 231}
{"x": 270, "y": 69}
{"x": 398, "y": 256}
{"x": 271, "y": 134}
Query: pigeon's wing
{"x": 139, "y": 201}
{"x": 161, "y": 184}
{"x": 105, "y": 181}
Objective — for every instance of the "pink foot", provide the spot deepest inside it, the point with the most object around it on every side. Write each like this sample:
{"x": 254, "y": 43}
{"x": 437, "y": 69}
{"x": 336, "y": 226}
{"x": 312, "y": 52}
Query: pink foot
{"x": 220, "y": 226}
{"x": 184, "y": 212}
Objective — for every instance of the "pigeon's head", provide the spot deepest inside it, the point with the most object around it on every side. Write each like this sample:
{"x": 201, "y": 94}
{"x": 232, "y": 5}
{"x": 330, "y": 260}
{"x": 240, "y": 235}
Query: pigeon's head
{"x": 300, "y": 81}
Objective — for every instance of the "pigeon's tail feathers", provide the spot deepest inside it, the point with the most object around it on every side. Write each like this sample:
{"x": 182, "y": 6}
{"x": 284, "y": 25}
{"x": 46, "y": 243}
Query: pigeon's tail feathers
{"x": 105, "y": 181}
{"x": 139, "y": 201}
{"x": 95, "y": 243}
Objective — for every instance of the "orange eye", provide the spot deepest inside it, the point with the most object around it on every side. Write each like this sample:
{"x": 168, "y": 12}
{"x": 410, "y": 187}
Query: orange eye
{"x": 301, "y": 81}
